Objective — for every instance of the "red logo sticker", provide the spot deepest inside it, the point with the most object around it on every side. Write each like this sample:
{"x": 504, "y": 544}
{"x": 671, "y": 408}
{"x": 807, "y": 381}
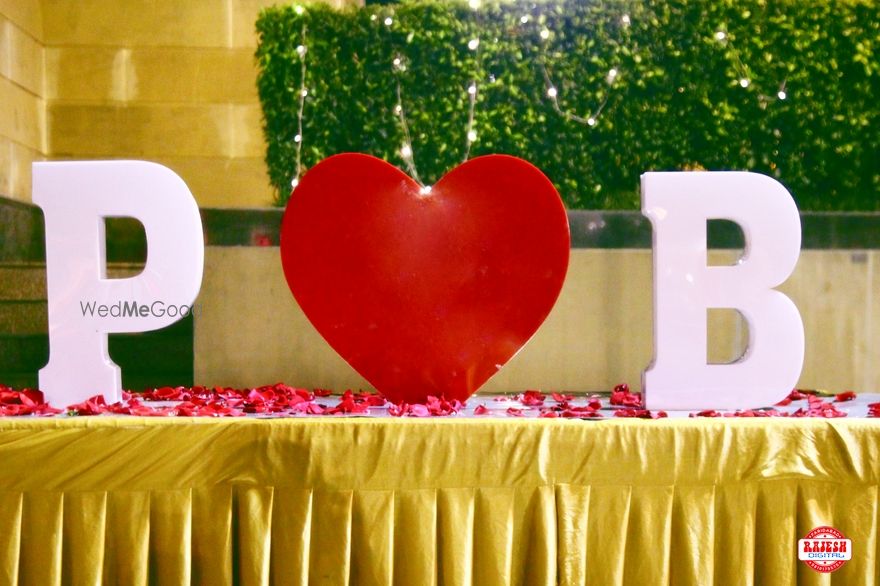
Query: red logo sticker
{"x": 825, "y": 549}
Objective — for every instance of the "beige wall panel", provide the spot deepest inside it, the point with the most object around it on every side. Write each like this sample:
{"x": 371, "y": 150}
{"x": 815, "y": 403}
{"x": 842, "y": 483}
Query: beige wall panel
{"x": 830, "y": 289}
{"x": 27, "y": 14}
{"x": 85, "y": 131}
{"x": 15, "y": 169}
{"x": 21, "y": 115}
{"x": 871, "y": 377}
{"x": 194, "y": 23}
{"x": 23, "y": 159}
{"x": 596, "y": 335}
{"x": 193, "y": 75}
{"x": 216, "y": 181}
{"x": 6, "y": 167}
{"x": 25, "y": 60}
{"x": 222, "y": 182}
{"x": 249, "y": 330}
{"x": 85, "y": 73}
{"x": 593, "y": 339}
{"x": 247, "y": 130}
{"x": 6, "y": 27}
{"x": 599, "y": 334}
{"x": 139, "y": 130}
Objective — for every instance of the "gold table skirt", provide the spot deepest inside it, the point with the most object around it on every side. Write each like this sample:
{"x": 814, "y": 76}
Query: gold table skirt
{"x": 127, "y": 500}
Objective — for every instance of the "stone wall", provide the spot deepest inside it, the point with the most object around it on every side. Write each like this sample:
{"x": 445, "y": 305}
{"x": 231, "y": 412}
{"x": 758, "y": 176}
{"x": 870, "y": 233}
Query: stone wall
{"x": 22, "y": 95}
{"x": 169, "y": 81}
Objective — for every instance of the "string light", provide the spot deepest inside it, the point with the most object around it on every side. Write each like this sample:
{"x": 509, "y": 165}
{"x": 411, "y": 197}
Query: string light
{"x": 745, "y": 78}
{"x": 544, "y": 33}
{"x": 553, "y": 94}
{"x": 406, "y": 150}
{"x": 473, "y": 91}
{"x": 301, "y": 51}
{"x": 782, "y": 94}
{"x": 474, "y": 44}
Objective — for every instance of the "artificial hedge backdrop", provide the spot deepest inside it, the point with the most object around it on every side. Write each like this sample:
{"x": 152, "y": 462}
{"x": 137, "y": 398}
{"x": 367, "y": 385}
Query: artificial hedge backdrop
{"x": 698, "y": 86}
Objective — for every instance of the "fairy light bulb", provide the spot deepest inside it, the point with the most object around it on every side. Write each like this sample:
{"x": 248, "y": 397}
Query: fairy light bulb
{"x": 297, "y": 138}
{"x": 524, "y": 19}
{"x": 612, "y": 75}
{"x": 298, "y": 9}
{"x": 301, "y": 50}
{"x": 396, "y": 62}
{"x": 472, "y": 89}
{"x": 294, "y": 182}
{"x": 545, "y": 34}
{"x": 406, "y": 151}
{"x": 304, "y": 92}
{"x": 389, "y": 21}
{"x": 591, "y": 121}
{"x": 744, "y": 83}
{"x": 398, "y": 109}
{"x": 720, "y": 36}
{"x": 782, "y": 95}
{"x": 472, "y": 135}
{"x": 625, "y": 20}
{"x": 473, "y": 44}
{"x": 425, "y": 190}
{"x": 551, "y": 92}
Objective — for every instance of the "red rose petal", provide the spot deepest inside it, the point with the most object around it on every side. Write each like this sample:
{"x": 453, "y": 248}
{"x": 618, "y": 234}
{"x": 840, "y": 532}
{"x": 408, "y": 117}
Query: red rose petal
{"x": 532, "y": 398}
{"x": 621, "y": 395}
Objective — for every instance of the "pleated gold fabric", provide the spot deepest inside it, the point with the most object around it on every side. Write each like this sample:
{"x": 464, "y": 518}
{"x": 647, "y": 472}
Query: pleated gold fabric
{"x": 108, "y": 500}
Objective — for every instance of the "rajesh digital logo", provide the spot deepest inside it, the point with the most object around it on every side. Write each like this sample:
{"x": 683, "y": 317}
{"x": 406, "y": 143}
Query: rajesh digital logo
{"x": 825, "y": 549}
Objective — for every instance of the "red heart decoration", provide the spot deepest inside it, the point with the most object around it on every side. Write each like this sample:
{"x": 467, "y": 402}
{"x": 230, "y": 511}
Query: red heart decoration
{"x": 425, "y": 294}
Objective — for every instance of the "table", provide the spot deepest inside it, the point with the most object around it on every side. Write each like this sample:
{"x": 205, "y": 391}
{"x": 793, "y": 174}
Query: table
{"x": 338, "y": 500}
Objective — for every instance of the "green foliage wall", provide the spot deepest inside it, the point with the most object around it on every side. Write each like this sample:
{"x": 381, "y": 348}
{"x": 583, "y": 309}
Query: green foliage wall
{"x": 678, "y": 101}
